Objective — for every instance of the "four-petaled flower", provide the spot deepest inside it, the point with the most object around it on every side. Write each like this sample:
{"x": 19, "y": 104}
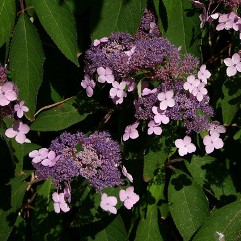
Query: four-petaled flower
{"x": 51, "y": 159}
{"x": 166, "y": 99}
{"x": 185, "y": 146}
{"x": 99, "y": 41}
{"x": 19, "y": 131}
{"x": 131, "y": 132}
{"x": 117, "y": 92}
{"x": 160, "y": 116}
{"x": 199, "y": 91}
{"x": 39, "y": 155}
{"x": 20, "y": 109}
{"x": 7, "y": 93}
{"x": 129, "y": 197}
{"x": 191, "y": 83}
{"x": 215, "y": 127}
{"x": 203, "y": 74}
{"x": 88, "y": 84}
{"x": 153, "y": 127}
{"x": 212, "y": 142}
{"x": 60, "y": 203}
{"x": 147, "y": 91}
{"x": 108, "y": 203}
{"x": 105, "y": 75}
{"x": 233, "y": 64}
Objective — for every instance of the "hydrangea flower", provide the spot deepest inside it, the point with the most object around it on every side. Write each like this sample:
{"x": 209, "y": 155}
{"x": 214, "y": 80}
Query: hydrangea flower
{"x": 166, "y": 99}
{"x": 38, "y": 155}
{"x": 129, "y": 197}
{"x": 160, "y": 116}
{"x": 153, "y": 127}
{"x": 117, "y": 92}
{"x": 20, "y": 109}
{"x": 203, "y": 74}
{"x": 215, "y": 127}
{"x": 147, "y": 91}
{"x": 7, "y": 93}
{"x": 60, "y": 203}
{"x": 88, "y": 84}
{"x": 185, "y": 146}
{"x": 131, "y": 132}
{"x": 212, "y": 142}
{"x": 105, "y": 75}
{"x": 99, "y": 41}
{"x": 51, "y": 159}
{"x": 108, "y": 203}
{"x": 200, "y": 91}
{"x": 233, "y": 64}
{"x": 191, "y": 83}
{"x": 19, "y": 131}
{"x": 126, "y": 174}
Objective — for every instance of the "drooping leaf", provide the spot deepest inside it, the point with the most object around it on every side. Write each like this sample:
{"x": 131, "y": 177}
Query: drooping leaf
{"x": 26, "y": 62}
{"x": 179, "y": 24}
{"x": 148, "y": 229}
{"x": 188, "y": 204}
{"x": 10, "y": 205}
{"x": 115, "y": 231}
{"x": 7, "y": 17}
{"x": 58, "y": 117}
{"x": 225, "y": 223}
{"x": 109, "y": 16}
{"x": 59, "y": 23}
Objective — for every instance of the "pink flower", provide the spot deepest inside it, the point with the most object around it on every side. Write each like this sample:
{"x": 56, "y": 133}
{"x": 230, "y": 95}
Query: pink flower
{"x": 7, "y": 93}
{"x": 129, "y": 197}
{"x": 216, "y": 127}
{"x": 147, "y": 91}
{"x": 185, "y": 146}
{"x": 126, "y": 174}
{"x": 166, "y": 99}
{"x": 20, "y": 109}
{"x": 39, "y": 155}
{"x": 131, "y": 132}
{"x": 199, "y": 91}
{"x": 99, "y": 41}
{"x": 117, "y": 92}
{"x": 88, "y": 84}
{"x": 105, "y": 75}
{"x": 212, "y": 142}
{"x": 51, "y": 159}
{"x": 130, "y": 84}
{"x": 130, "y": 52}
{"x": 160, "y": 116}
{"x": 19, "y": 131}
{"x": 233, "y": 64}
{"x": 203, "y": 74}
{"x": 108, "y": 203}
{"x": 191, "y": 83}
{"x": 153, "y": 127}
{"x": 59, "y": 203}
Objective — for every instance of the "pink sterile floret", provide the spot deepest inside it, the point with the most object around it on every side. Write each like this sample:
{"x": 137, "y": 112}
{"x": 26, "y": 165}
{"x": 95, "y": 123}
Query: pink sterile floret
{"x": 51, "y": 159}
{"x": 191, "y": 83}
{"x": 39, "y": 155}
{"x": 147, "y": 91}
{"x": 99, "y": 41}
{"x": 153, "y": 127}
{"x": 88, "y": 84}
{"x": 129, "y": 197}
{"x": 126, "y": 174}
{"x": 19, "y": 131}
{"x": 185, "y": 146}
{"x": 108, "y": 203}
{"x": 7, "y": 93}
{"x": 199, "y": 91}
{"x": 105, "y": 75}
{"x": 20, "y": 109}
{"x": 212, "y": 142}
{"x": 203, "y": 74}
{"x": 160, "y": 116}
{"x": 131, "y": 132}
{"x": 166, "y": 99}
{"x": 117, "y": 92}
{"x": 233, "y": 65}
{"x": 215, "y": 127}
{"x": 60, "y": 203}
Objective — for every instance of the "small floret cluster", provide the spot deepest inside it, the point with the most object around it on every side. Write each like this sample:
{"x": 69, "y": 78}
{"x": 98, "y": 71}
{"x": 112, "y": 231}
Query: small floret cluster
{"x": 96, "y": 158}
{"x": 10, "y": 106}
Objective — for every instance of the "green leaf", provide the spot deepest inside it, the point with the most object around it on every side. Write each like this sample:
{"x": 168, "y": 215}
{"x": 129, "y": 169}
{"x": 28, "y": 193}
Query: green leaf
{"x": 179, "y": 24}
{"x": 115, "y": 231}
{"x": 26, "y": 62}
{"x": 58, "y": 117}
{"x": 148, "y": 229}
{"x": 59, "y": 23}
{"x": 225, "y": 221}
{"x": 8, "y": 215}
{"x": 7, "y": 17}
{"x": 188, "y": 204}
{"x": 109, "y": 16}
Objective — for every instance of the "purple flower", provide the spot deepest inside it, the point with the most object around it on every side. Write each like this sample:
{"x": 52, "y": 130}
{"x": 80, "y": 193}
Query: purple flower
{"x": 203, "y": 74}
{"x": 185, "y": 146}
{"x": 108, "y": 203}
{"x": 88, "y": 84}
{"x": 105, "y": 75}
{"x": 166, "y": 99}
{"x": 7, "y": 93}
{"x": 234, "y": 65}
{"x": 19, "y": 131}
{"x": 39, "y": 155}
{"x": 131, "y": 132}
{"x": 212, "y": 142}
{"x": 129, "y": 197}
{"x": 126, "y": 174}
{"x": 20, "y": 109}
{"x": 59, "y": 203}
{"x": 51, "y": 159}
{"x": 153, "y": 127}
